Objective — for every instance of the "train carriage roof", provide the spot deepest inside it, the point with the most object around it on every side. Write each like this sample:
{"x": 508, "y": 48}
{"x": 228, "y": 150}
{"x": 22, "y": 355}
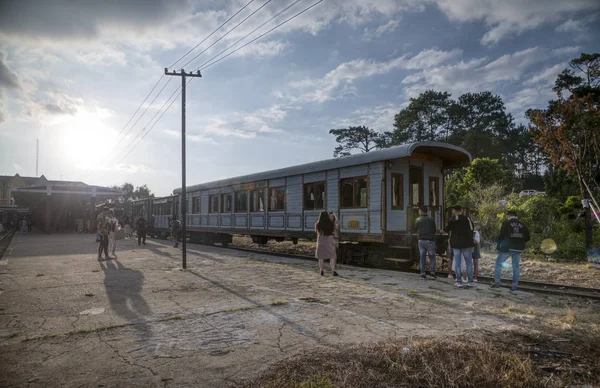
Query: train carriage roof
{"x": 451, "y": 156}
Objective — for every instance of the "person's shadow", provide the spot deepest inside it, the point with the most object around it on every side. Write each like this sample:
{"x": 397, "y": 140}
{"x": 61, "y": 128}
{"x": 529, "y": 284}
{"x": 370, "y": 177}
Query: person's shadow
{"x": 123, "y": 287}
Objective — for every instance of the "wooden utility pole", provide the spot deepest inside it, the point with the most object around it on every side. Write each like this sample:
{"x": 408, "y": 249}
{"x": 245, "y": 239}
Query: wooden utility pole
{"x": 183, "y": 76}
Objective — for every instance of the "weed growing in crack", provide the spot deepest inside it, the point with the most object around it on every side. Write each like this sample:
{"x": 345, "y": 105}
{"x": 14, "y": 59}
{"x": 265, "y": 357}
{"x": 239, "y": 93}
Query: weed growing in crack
{"x": 173, "y": 318}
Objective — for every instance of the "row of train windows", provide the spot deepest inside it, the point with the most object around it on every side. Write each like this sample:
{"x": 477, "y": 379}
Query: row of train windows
{"x": 354, "y": 194}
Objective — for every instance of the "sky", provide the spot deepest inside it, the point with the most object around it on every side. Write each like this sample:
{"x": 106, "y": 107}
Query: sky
{"x": 73, "y": 74}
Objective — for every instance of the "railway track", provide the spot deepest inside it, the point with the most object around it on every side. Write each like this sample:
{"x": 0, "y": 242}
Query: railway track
{"x": 5, "y": 239}
{"x": 538, "y": 287}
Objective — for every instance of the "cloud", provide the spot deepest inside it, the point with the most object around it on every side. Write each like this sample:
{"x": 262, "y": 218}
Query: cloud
{"x": 133, "y": 168}
{"x": 189, "y": 136}
{"x": 381, "y": 30}
{"x": 547, "y": 76}
{"x": 379, "y": 118}
{"x": 480, "y": 74}
{"x": 8, "y": 81}
{"x": 52, "y": 103}
{"x": 338, "y": 82}
{"x": 16, "y": 167}
{"x": 510, "y": 17}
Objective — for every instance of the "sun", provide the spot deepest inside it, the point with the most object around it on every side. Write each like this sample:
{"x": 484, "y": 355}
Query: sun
{"x": 87, "y": 141}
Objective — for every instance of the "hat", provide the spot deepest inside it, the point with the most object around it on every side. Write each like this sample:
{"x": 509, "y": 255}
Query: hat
{"x": 457, "y": 207}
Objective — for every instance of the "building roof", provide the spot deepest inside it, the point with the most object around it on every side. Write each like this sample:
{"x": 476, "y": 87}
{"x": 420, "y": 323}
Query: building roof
{"x": 451, "y": 156}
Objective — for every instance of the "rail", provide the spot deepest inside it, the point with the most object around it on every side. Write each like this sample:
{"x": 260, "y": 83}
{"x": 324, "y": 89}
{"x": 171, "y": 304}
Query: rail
{"x": 529, "y": 286}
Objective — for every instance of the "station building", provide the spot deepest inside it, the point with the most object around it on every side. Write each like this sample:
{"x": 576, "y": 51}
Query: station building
{"x": 53, "y": 206}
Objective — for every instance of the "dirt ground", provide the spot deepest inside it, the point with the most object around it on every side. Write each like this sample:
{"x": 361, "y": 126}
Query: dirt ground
{"x": 532, "y": 269}
{"x": 67, "y": 319}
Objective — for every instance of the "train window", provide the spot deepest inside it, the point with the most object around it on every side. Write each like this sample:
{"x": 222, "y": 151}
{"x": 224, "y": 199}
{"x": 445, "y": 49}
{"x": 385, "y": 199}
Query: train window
{"x": 226, "y": 203}
{"x": 314, "y": 196}
{"x": 397, "y": 191}
{"x": 195, "y": 205}
{"x": 354, "y": 192}
{"x": 257, "y": 200}
{"x": 241, "y": 202}
{"x": 213, "y": 201}
{"x": 277, "y": 199}
{"x": 434, "y": 191}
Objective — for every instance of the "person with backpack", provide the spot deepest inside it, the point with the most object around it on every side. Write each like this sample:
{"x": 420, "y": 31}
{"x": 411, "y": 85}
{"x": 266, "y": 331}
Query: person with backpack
{"x": 460, "y": 229}
{"x": 511, "y": 243}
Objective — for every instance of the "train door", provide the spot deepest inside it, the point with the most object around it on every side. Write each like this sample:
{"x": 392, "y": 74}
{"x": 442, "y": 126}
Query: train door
{"x": 415, "y": 195}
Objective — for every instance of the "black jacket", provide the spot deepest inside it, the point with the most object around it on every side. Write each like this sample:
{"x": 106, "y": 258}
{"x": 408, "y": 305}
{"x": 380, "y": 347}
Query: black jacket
{"x": 425, "y": 227}
{"x": 516, "y": 233}
{"x": 461, "y": 232}
{"x": 141, "y": 223}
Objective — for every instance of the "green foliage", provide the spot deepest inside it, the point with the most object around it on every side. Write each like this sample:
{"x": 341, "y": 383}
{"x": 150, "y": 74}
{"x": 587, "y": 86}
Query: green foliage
{"x": 425, "y": 118}
{"x": 482, "y": 172}
{"x": 485, "y": 204}
{"x": 539, "y": 213}
{"x": 572, "y": 206}
{"x": 558, "y": 184}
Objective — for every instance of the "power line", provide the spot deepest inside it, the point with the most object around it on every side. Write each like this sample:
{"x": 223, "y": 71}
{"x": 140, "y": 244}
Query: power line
{"x": 228, "y": 32}
{"x": 252, "y": 32}
{"x": 210, "y": 64}
{"x": 260, "y": 36}
{"x": 211, "y": 34}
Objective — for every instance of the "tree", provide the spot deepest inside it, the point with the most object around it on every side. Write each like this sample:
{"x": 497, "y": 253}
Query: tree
{"x": 142, "y": 192}
{"x": 425, "y": 118}
{"x": 582, "y": 79}
{"x": 361, "y": 138}
{"x": 479, "y": 123}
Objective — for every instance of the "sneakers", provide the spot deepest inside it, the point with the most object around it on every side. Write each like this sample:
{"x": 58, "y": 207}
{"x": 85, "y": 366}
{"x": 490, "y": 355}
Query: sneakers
{"x": 99, "y": 258}
{"x": 458, "y": 285}
{"x": 450, "y": 276}
{"x": 335, "y": 273}
{"x": 494, "y": 285}
{"x": 471, "y": 284}
{"x": 475, "y": 280}
{"x": 513, "y": 289}
{"x": 423, "y": 277}
{"x": 433, "y": 276}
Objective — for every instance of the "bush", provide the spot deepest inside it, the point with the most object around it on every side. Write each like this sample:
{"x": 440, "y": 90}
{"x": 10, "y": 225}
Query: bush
{"x": 539, "y": 213}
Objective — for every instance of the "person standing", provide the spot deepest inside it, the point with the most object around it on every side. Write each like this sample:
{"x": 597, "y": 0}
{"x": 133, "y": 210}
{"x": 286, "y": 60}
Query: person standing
{"x": 426, "y": 229}
{"x": 476, "y": 252}
{"x": 175, "y": 231}
{"x": 29, "y": 224}
{"x": 141, "y": 226}
{"x": 102, "y": 227}
{"x": 325, "y": 248}
{"x": 511, "y": 243}
{"x": 461, "y": 240}
{"x": 113, "y": 227}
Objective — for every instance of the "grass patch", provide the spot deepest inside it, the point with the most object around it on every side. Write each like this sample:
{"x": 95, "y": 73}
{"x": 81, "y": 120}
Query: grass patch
{"x": 173, "y": 318}
{"x": 89, "y": 294}
{"x": 314, "y": 300}
{"x": 96, "y": 270}
{"x": 13, "y": 335}
{"x": 39, "y": 274}
{"x": 232, "y": 310}
{"x": 278, "y": 303}
{"x": 39, "y": 337}
{"x": 502, "y": 361}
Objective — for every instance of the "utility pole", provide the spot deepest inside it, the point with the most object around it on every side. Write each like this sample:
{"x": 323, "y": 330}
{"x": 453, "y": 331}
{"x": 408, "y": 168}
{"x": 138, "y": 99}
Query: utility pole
{"x": 37, "y": 155}
{"x": 183, "y": 76}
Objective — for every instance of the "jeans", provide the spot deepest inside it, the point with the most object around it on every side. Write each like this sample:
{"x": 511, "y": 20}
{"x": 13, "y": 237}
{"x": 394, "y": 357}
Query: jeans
{"x": 103, "y": 245}
{"x": 516, "y": 261}
{"x": 467, "y": 254}
{"x": 427, "y": 247}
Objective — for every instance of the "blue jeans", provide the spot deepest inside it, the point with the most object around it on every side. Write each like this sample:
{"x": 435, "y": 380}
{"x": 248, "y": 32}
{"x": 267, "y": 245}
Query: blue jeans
{"x": 427, "y": 247}
{"x": 516, "y": 261}
{"x": 467, "y": 253}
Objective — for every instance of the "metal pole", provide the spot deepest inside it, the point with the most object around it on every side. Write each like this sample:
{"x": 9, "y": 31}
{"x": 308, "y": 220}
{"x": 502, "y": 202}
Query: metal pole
{"x": 183, "y": 191}
{"x": 183, "y": 76}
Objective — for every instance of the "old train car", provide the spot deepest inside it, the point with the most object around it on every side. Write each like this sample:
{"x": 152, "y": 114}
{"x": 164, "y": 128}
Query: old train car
{"x": 158, "y": 212}
{"x": 375, "y": 195}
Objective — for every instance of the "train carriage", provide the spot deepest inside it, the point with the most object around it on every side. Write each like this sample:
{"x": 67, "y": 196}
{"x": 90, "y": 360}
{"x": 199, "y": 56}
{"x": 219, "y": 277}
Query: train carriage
{"x": 158, "y": 212}
{"x": 375, "y": 195}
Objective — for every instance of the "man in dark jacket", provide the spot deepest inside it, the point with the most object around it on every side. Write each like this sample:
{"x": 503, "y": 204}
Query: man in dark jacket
{"x": 461, "y": 241}
{"x": 141, "y": 225}
{"x": 426, "y": 228}
{"x": 511, "y": 243}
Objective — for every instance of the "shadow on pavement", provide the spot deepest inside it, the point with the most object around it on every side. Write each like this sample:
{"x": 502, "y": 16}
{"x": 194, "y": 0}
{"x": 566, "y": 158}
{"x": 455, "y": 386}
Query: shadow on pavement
{"x": 123, "y": 288}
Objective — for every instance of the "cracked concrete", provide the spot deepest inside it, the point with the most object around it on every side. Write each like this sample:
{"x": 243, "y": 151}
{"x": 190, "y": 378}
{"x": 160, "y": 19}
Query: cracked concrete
{"x": 229, "y": 316}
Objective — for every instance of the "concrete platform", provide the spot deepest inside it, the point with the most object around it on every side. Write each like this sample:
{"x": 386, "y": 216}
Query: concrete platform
{"x": 67, "y": 319}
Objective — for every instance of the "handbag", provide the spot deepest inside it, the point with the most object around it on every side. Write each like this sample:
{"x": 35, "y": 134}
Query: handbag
{"x": 503, "y": 245}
